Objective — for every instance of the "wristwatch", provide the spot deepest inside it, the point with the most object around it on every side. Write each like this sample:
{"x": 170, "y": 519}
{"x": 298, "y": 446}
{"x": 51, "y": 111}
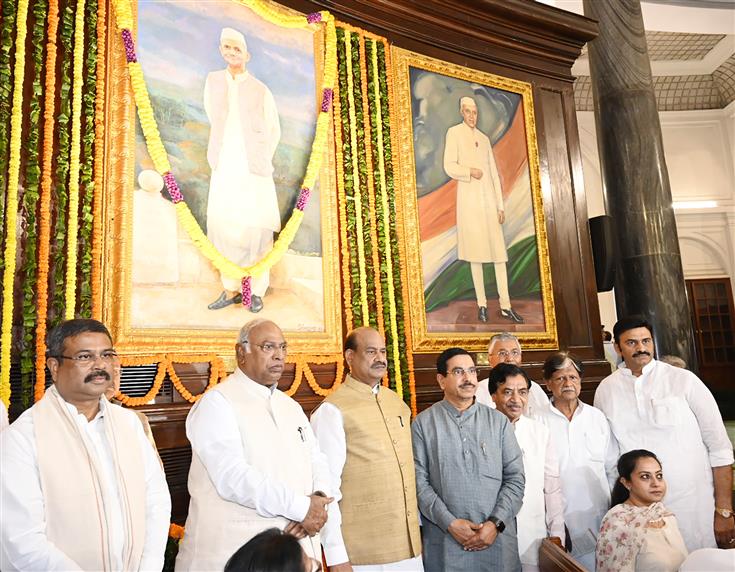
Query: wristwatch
{"x": 499, "y": 524}
{"x": 725, "y": 512}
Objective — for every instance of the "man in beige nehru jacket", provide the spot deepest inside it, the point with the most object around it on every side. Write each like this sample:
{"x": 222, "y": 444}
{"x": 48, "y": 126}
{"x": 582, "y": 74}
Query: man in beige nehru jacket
{"x": 255, "y": 461}
{"x": 364, "y": 430}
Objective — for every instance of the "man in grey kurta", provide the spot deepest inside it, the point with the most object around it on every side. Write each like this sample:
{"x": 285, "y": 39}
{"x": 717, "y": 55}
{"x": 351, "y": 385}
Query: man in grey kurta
{"x": 469, "y": 476}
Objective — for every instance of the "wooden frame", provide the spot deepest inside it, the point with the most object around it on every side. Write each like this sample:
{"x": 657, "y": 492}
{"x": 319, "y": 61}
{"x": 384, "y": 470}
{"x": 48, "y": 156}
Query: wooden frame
{"x": 415, "y": 80}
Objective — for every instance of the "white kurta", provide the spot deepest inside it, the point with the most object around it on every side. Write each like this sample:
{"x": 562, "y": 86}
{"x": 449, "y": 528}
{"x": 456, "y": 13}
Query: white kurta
{"x": 542, "y": 513}
{"x": 479, "y": 233}
{"x": 538, "y": 402}
{"x": 670, "y": 412}
{"x": 587, "y": 458}
{"x": 329, "y": 430}
{"x": 242, "y": 209}
{"x": 23, "y": 541}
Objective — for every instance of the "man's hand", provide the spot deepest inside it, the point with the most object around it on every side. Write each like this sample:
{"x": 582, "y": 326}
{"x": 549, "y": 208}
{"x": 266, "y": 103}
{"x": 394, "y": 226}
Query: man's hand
{"x": 344, "y": 567}
{"x": 485, "y": 536}
{"x": 462, "y": 530}
{"x": 725, "y": 531}
{"x": 317, "y": 514}
{"x": 501, "y": 217}
{"x": 475, "y": 173}
{"x": 295, "y": 529}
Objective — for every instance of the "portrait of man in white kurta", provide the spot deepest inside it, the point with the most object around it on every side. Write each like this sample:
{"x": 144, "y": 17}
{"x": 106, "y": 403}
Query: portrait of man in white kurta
{"x": 242, "y": 212}
{"x": 469, "y": 159}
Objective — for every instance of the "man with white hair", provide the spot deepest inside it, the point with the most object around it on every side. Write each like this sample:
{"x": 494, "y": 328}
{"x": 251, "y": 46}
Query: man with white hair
{"x": 469, "y": 159}
{"x": 242, "y": 212}
{"x": 505, "y": 348}
{"x": 255, "y": 461}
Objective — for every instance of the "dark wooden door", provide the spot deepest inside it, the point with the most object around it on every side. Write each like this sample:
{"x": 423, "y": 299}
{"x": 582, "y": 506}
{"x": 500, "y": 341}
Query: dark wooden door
{"x": 713, "y": 318}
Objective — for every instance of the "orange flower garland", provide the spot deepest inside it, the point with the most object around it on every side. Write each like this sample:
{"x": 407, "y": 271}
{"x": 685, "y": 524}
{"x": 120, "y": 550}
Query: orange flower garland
{"x": 155, "y": 388}
{"x": 44, "y": 232}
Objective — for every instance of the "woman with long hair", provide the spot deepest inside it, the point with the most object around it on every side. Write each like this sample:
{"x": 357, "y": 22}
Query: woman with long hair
{"x": 272, "y": 550}
{"x": 639, "y": 533}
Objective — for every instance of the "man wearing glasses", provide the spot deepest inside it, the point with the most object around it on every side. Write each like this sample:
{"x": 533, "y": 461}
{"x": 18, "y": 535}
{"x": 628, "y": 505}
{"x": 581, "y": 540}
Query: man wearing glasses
{"x": 505, "y": 348}
{"x": 469, "y": 476}
{"x": 80, "y": 485}
{"x": 255, "y": 462}
{"x": 364, "y": 429}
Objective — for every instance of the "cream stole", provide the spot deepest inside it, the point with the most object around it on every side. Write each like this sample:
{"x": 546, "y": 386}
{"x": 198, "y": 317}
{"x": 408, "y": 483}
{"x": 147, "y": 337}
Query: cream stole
{"x": 76, "y": 504}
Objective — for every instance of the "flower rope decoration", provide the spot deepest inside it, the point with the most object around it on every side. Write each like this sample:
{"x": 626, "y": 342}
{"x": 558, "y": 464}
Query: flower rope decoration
{"x": 44, "y": 233}
{"x": 11, "y": 199}
{"x": 157, "y": 151}
{"x": 303, "y": 371}
{"x": 74, "y": 163}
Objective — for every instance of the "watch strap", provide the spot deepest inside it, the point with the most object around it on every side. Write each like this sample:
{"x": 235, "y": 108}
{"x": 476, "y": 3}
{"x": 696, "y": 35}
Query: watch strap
{"x": 499, "y": 524}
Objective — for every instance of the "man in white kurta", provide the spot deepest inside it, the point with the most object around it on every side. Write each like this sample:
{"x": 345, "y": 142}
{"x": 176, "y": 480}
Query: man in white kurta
{"x": 587, "y": 455}
{"x": 242, "y": 212}
{"x": 80, "y": 485}
{"x": 255, "y": 461}
{"x": 505, "y": 348}
{"x": 364, "y": 430}
{"x": 469, "y": 159}
{"x": 669, "y": 411}
{"x": 542, "y": 513}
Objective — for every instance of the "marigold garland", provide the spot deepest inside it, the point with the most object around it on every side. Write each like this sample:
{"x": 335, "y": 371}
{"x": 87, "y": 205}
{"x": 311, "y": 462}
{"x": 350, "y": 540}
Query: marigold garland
{"x": 303, "y": 371}
{"x": 155, "y": 388}
{"x": 176, "y": 531}
{"x": 216, "y": 373}
{"x": 44, "y": 234}
{"x": 11, "y": 199}
{"x": 74, "y": 163}
{"x": 157, "y": 152}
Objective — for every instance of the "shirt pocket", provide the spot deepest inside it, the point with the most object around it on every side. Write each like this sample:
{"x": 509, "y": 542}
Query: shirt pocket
{"x": 596, "y": 444}
{"x": 668, "y": 411}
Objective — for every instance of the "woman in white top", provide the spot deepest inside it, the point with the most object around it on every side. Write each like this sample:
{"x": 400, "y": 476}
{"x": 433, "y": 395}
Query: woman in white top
{"x": 639, "y": 533}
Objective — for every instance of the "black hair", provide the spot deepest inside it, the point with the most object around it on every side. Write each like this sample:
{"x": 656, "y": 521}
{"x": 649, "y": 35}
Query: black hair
{"x": 351, "y": 341}
{"x": 558, "y": 360}
{"x": 501, "y": 372}
{"x": 626, "y": 466}
{"x": 446, "y": 355}
{"x": 628, "y": 323}
{"x": 269, "y": 551}
{"x": 68, "y": 329}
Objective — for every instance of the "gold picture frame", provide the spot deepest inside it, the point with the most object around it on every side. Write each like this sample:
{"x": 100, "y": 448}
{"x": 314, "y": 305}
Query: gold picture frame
{"x": 115, "y": 288}
{"x": 427, "y": 94}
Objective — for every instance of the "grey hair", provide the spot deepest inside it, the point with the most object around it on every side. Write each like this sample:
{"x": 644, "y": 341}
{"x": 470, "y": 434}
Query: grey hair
{"x": 502, "y": 337}
{"x": 676, "y": 361}
{"x": 242, "y": 337}
{"x": 467, "y": 101}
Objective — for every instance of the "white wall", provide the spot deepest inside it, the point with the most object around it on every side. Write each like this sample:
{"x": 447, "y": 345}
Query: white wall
{"x": 699, "y": 147}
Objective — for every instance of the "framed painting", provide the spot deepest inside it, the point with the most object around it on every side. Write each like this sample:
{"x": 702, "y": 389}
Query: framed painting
{"x": 474, "y": 228}
{"x": 236, "y": 100}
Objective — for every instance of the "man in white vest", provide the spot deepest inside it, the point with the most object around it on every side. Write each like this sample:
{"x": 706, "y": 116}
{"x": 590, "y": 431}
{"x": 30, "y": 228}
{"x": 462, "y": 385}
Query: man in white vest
{"x": 469, "y": 159}
{"x": 80, "y": 485}
{"x": 542, "y": 513}
{"x": 242, "y": 210}
{"x": 255, "y": 461}
{"x": 505, "y": 348}
{"x": 364, "y": 429}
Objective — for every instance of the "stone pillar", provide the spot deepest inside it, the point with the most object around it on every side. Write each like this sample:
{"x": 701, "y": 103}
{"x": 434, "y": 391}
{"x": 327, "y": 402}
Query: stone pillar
{"x": 650, "y": 279}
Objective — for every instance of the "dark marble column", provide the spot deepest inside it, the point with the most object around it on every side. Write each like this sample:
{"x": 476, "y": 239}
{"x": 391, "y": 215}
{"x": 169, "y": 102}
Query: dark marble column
{"x": 650, "y": 279}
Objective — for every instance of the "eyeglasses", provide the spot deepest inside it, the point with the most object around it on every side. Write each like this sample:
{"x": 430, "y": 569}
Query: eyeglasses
{"x": 505, "y": 353}
{"x": 87, "y": 358}
{"x": 270, "y": 347}
{"x": 460, "y": 372}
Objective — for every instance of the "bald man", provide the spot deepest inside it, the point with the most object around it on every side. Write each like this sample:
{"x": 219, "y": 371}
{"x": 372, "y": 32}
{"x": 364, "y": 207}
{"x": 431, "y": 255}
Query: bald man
{"x": 469, "y": 159}
{"x": 364, "y": 430}
{"x": 255, "y": 462}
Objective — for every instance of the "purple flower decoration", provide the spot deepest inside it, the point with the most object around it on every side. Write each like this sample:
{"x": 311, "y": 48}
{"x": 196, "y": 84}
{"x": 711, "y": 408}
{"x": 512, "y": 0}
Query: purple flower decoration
{"x": 314, "y": 17}
{"x": 303, "y": 198}
{"x": 246, "y": 292}
{"x": 129, "y": 46}
{"x": 173, "y": 188}
{"x": 327, "y": 96}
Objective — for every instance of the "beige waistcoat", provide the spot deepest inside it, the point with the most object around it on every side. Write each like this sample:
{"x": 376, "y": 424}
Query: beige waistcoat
{"x": 271, "y": 441}
{"x": 379, "y": 512}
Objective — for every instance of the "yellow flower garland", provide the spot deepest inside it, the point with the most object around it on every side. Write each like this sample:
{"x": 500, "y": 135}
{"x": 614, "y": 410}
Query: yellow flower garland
{"x": 302, "y": 370}
{"x": 157, "y": 152}
{"x": 11, "y": 198}
{"x": 74, "y": 164}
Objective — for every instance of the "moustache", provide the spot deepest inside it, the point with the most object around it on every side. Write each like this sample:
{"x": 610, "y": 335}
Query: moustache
{"x": 467, "y": 385}
{"x": 97, "y": 373}
{"x": 379, "y": 364}
{"x": 642, "y": 353}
